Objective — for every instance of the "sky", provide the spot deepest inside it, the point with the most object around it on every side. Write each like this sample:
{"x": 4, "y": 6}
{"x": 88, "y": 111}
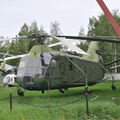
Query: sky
{"x": 71, "y": 14}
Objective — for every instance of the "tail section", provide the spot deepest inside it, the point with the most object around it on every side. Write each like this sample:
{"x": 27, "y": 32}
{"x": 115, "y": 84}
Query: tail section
{"x": 93, "y": 47}
{"x": 2, "y": 66}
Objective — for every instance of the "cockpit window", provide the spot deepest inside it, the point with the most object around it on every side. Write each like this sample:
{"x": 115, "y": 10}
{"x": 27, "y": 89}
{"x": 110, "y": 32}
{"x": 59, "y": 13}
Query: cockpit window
{"x": 45, "y": 58}
{"x": 36, "y": 66}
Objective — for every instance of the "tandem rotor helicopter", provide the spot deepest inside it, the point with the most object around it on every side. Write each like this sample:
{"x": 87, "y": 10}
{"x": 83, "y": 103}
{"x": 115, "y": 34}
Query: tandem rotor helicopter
{"x": 45, "y": 69}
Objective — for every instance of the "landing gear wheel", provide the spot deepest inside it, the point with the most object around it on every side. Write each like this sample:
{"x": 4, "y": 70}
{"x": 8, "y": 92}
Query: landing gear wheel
{"x": 113, "y": 87}
{"x": 89, "y": 91}
{"x": 20, "y": 92}
{"x": 42, "y": 91}
{"x": 62, "y": 91}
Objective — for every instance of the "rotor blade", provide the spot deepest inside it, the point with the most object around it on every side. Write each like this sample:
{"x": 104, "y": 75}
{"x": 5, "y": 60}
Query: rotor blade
{"x": 2, "y": 40}
{"x": 109, "y": 37}
{"x": 55, "y": 44}
{"x": 4, "y": 51}
{"x": 13, "y": 38}
{"x": 13, "y": 57}
{"x": 69, "y": 45}
{"x": 118, "y": 66}
{"x": 7, "y": 54}
{"x": 2, "y": 71}
{"x": 106, "y": 54}
{"x": 20, "y": 37}
{"x": 101, "y": 39}
{"x": 112, "y": 62}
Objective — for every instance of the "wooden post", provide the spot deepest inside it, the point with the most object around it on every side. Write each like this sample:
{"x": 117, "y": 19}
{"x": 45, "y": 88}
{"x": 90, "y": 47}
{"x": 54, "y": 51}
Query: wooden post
{"x": 10, "y": 101}
{"x": 86, "y": 99}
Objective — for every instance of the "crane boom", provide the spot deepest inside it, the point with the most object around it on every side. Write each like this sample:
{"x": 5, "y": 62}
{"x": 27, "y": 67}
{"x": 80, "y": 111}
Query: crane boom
{"x": 109, "y": 16}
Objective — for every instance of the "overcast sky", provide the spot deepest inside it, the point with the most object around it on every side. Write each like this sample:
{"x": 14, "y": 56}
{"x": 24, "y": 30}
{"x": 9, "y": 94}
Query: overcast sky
{"x": 71, "y": 14}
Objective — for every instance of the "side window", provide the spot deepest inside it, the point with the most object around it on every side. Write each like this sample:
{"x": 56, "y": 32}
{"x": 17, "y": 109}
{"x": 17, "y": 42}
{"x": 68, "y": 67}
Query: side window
{"x": 42, "y": 60}
{"x": 45, "y": 58}
{"x": 70, "y": 65}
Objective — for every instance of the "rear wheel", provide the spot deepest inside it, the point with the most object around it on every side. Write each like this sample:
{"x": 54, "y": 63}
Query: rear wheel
{"x": 61, "y": 90}
{"x": 113, "y": 87}
{"x": 20, "y": 91}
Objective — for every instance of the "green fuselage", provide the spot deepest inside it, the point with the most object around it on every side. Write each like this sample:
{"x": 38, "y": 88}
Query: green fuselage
{"x": 44, "y": 69}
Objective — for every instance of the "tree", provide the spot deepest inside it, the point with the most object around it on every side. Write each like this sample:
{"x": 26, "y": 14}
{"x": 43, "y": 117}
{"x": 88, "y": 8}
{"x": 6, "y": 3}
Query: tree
{"x": 101, "y": 27}
{"x": 42, "y": 29}
{"x": 83, "y": 44}
{"x": 34, "y": 27}
{"x": 19, "y": 45}
{"x": 82, "y": 31}
{"x": 23, "y": 45}
{"x": 55, "y": 30}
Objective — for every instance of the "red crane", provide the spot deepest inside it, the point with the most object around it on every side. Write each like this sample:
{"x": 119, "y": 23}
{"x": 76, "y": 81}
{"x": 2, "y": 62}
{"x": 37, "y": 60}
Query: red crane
{"x": 109, "y": 16}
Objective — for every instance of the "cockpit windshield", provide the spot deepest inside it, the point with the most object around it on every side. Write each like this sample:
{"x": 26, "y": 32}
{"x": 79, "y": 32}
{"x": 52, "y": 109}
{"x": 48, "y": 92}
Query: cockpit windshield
{"x": 45, "y": 58}
{"x": 34, "y": 66}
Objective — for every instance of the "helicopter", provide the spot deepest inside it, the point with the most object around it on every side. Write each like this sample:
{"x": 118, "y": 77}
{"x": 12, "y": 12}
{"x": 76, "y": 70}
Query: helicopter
{"x": 8, "y": 70}
{"x": 43, "y": 68}
{"x": 46, "y": 69}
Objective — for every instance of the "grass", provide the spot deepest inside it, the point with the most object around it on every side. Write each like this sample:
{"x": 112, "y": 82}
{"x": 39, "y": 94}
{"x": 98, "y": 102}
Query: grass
{"x": 68, "y": 106}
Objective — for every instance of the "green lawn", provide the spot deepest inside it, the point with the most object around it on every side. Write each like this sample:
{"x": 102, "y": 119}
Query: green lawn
{"x": 68, "y": 106}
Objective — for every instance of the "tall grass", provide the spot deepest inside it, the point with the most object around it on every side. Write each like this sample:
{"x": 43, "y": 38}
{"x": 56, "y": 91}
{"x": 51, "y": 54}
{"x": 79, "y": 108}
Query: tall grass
{"x": 68, "y": 106}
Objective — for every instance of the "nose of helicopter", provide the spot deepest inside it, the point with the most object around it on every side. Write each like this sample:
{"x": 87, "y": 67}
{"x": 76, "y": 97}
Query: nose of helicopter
{"x": 33, "y": 83}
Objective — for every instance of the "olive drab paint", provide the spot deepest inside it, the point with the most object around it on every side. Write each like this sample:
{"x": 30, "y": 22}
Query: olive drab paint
{"x": 43, "y": 65}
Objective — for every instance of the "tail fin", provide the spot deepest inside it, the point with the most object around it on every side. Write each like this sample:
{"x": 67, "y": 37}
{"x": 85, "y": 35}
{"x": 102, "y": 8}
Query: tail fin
{"x": 2, "y": 66}
{"x": 93, "y": 47}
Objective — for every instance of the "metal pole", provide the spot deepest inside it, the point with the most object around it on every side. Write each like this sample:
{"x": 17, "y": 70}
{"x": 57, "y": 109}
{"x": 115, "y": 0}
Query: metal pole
{"x": 49, "y": 93}
{"x": 86, "y": 99}
{"x": 10, "y": 101}
{"x": 86, "y": 85}
{"x": 113, "y": 84}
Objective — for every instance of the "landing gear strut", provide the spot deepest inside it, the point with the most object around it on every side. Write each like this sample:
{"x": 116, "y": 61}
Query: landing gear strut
{"x": 20, "y": 91}
{"x": 113, "y": 87}
{"x": 61, "y": 90}
{"x": 113, "y": 84}
{"x": 86, "y": 99}
{"x": 42, "y": 91}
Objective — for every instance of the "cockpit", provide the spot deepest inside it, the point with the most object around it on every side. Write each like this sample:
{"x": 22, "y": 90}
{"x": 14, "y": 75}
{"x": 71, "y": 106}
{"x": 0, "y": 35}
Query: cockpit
{"x": 36, "y": 66}
{"x": 45, "y": 58}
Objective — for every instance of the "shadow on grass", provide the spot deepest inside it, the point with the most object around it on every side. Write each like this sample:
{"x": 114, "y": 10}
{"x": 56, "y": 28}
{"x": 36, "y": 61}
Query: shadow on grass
{"x": 56, "y": 98}
{"x": 74, "y": 92}
{"x": 35, "y": 97}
